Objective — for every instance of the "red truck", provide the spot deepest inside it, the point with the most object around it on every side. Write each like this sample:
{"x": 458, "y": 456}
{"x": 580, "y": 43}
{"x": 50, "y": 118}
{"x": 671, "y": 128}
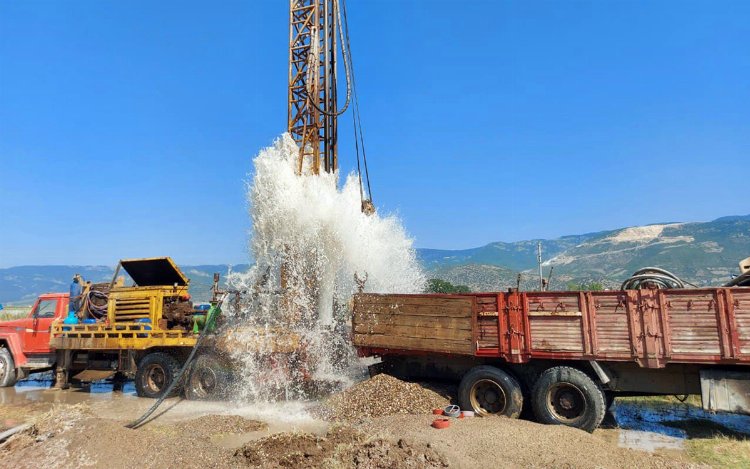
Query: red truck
{"x": 25, "y": 342}
{"x": 565, "y": 354}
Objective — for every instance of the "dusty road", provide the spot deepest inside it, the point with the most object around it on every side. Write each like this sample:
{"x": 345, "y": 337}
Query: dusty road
{"x": 361, "y": 427}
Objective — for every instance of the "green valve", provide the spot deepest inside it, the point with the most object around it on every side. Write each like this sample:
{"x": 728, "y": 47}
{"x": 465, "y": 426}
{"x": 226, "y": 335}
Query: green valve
{"x": 206, "y": 321}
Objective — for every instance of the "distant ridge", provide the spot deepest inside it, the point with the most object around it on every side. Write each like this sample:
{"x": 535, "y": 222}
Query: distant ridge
{"x": 22, "y": 284}
{"x": 703, "y": 253}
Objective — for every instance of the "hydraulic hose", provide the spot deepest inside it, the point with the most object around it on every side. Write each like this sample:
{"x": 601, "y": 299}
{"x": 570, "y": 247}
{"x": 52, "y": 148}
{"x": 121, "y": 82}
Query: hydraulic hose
{"x": 313, "y": 66}
{"x": 654, "y": 276}
{"x": 97, "y": 312}
{"x": 185, "y": 367}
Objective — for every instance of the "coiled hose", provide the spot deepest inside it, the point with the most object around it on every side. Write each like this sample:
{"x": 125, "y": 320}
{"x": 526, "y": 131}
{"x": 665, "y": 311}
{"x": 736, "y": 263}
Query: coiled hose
{"x": 96, "y": 311}
{"x": 653, "y": 276}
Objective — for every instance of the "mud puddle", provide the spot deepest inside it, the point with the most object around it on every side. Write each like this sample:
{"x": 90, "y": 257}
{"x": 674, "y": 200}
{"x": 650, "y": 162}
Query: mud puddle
{"x": 651, "y": 426}
{"x": 112, "y": 401}
{"x": 40, "y": 390}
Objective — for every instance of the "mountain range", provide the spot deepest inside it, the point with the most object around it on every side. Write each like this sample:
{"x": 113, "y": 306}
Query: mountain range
{"x": 702, "y": 253}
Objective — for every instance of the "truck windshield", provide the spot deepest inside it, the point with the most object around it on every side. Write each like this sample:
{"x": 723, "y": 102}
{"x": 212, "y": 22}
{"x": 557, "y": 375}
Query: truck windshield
{"x": 45, "y": 309}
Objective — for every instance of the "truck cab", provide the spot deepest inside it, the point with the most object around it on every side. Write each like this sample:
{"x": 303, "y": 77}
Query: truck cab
{"x": 25, "y": 343}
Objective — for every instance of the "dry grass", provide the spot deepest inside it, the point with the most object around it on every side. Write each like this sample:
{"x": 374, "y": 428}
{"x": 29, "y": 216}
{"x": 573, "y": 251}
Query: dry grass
{"x": 719, "y": 451}
{"x": 14, "y": 312}
{"x": 693, "y": 399}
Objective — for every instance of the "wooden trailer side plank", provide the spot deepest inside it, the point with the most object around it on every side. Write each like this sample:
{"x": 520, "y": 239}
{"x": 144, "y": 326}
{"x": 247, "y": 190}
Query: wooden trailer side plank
{"x": 415, "y": 322}
{"x": 454, "y": 310}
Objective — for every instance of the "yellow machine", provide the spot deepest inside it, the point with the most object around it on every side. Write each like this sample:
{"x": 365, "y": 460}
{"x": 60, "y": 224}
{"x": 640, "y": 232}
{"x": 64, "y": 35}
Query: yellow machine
{"x": 142, "y": 328}
{"x": 146, "y": 327}
{"x": 155, "y": 311}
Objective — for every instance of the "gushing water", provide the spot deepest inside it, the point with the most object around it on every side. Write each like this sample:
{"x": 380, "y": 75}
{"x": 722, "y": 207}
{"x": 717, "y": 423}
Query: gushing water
{"x": 309, "y": 241}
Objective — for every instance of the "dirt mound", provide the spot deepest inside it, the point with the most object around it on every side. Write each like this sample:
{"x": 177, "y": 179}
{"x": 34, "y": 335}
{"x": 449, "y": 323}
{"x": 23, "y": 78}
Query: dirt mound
{"x": 341, "y": 447}
{"x": 43, "y": 437}
{"x": 47, "y": 425}
{"x": 509, "y": 443}
{"x": 378, "y": 396}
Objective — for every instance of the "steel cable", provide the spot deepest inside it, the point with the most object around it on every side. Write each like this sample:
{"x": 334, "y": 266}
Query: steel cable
{"x": 313, "y": 64}
{"x": 356, "y": 116}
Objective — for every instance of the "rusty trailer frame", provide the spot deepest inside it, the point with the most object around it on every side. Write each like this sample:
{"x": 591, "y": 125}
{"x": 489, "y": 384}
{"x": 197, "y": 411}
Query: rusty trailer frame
{"x": 652, "y": 327}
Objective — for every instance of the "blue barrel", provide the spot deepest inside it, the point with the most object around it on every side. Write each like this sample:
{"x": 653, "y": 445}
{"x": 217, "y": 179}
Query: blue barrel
{"x": 71, "y": 318}
{"x": 148, "y": 328}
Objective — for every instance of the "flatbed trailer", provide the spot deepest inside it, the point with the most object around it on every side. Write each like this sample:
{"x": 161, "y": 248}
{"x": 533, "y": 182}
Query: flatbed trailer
{"x": 565, "y": 353}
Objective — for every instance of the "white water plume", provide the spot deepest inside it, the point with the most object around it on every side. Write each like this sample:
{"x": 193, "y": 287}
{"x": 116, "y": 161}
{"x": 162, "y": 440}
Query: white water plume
{"x": 309, "y": 240}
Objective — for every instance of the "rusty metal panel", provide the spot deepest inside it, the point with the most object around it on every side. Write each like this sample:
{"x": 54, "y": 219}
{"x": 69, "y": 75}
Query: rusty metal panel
{"x": 727, "y": 391}
{"x": 515, "y": 328}
{"x": 693, "y": 320}
{"x": 612, "y": 326}
{"x": 649, "y": 327}
{"x": 487, "y": 323}
{"x": 556, "y": 322}
{"x": 556, "y": 335}
{"x": 740, "y": 300}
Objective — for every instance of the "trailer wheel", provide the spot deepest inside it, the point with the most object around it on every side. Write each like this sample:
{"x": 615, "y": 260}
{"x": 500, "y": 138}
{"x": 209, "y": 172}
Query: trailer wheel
{"x": 7, "y": 369}
{"x": 209, "y": 379}
{"x": 566, "y": 396}
{"x": 490, "y": 391}
{"x": 155, "y": 374}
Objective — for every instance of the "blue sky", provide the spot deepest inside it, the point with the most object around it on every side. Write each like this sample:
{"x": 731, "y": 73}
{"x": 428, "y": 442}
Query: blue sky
{"x": 128, "y": 128}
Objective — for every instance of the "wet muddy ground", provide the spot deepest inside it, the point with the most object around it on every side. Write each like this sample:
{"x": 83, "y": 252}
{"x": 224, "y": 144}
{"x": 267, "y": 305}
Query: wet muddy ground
{"x": 650, "y": 432}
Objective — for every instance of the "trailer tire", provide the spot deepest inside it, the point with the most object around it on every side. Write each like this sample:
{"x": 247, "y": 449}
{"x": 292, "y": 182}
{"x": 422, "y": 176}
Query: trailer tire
{"x": 155, "y": 374}
{"x": 567, "y": 396}
{"x": 209, "y": 379}
{"x": 487, "y": 390}
{"x": 8, "y": 375}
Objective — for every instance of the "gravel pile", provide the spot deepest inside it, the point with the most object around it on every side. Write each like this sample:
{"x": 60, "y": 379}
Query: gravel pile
{"x": 380, "y": 395}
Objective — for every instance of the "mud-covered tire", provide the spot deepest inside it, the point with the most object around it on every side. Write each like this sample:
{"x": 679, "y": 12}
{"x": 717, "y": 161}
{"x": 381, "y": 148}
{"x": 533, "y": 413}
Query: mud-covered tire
{"x": 566, "y": 396}
{"x": 490, "y": 391}
{"x": 8, "y": 375}
{"x": 209, "y": 379}
{"x": 155, "y": 374}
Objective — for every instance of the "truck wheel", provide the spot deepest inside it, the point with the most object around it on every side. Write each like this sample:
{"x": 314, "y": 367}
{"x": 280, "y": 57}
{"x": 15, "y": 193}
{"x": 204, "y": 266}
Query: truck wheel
{"x": 7, "y": 369}
{"x": 209, "y": 379}
{"x": 490, "y": 391}
{"x": 566, "y": 396}
{"x": 155, "y": 373}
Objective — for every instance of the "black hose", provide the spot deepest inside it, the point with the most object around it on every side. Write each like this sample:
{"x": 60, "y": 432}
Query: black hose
{"x": 98, "y": 312}
{"x": 142, "y": 419}
{"x": 653, "y": 276}
{"x": 742, "y": 280}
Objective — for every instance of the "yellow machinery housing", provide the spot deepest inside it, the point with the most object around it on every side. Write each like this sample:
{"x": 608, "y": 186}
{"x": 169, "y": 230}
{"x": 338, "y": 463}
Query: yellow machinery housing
{"x": 135, "y": 314}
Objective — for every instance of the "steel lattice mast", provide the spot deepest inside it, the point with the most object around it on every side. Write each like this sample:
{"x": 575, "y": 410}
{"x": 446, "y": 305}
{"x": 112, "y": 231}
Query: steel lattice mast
{"x": 312, "y": 83}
